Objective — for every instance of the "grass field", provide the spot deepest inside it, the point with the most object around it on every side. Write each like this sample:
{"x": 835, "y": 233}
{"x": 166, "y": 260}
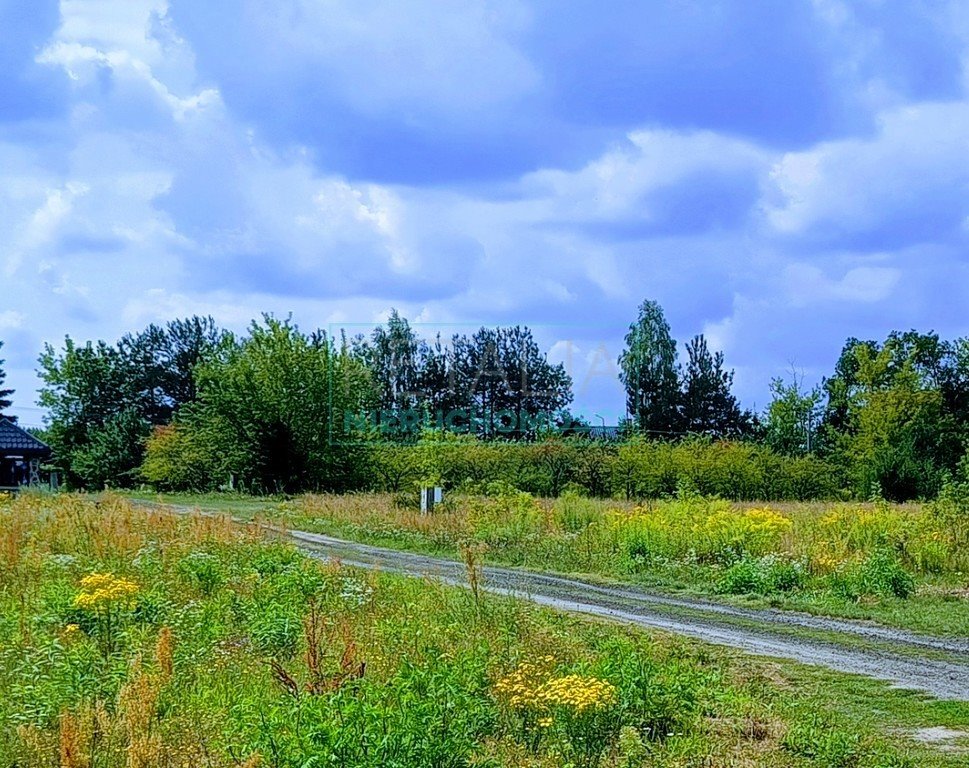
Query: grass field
{"x": 902, "y": 565}
{"x": 139, "y": 638}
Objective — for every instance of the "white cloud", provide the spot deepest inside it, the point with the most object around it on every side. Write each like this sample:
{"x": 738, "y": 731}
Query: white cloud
{"x": 904, "y": 178}
{"x": 132, "y": 39}
{"x": 808, "y": 284}
{"x": 615, "y": 185}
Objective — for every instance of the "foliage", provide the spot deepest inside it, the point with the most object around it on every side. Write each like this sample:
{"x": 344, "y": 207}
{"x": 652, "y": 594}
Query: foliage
{"x": 648, "y": 370}
{"x": 897, "y": 413}
{"x": 103, "y": 399}
{"x": 179, "y": 458}
{"x": 495, "y": 383}
{"x": 764, "y": 575}
{"x": 708, "y": 407}
{"x": 271, "y": 413}
{"x": 793, "y": 417}
{"x": 635, "y": 469}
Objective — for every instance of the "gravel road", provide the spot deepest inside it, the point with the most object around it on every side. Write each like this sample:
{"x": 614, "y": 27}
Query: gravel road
{"x": 895, "y": 656}
{"x": 933, "y": 665}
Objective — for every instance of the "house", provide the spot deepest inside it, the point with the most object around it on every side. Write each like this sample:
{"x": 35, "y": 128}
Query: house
{"x": 20, "y": 456}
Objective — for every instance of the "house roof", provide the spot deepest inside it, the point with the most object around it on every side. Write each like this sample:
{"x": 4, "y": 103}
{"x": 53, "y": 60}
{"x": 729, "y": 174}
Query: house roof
{"x": 19, "y": 442}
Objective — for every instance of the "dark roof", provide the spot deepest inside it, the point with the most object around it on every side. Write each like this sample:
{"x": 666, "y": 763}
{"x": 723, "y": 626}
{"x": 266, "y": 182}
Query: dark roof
{"x": 17, "y": 441}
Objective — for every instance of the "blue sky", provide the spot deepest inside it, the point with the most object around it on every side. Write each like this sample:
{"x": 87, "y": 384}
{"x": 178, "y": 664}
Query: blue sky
{"x": 780, "y": 176}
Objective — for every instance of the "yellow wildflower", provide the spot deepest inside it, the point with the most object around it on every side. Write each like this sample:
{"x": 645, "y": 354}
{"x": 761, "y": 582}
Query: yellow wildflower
{"x": 100, "y": 591}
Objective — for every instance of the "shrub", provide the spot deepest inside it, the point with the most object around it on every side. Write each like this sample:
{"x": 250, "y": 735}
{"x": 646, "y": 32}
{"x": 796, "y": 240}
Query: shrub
{"x": 764, "y": 576}
{"x": 275, "y": 632}
{"x": 879, "y": 574}
{"x": 202, "y": 570}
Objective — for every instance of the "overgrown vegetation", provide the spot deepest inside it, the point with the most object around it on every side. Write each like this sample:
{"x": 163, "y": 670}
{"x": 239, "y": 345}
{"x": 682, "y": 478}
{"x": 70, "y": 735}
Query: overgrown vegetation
{"x": 135, "y": 638}
{"x": 901, "y": 564}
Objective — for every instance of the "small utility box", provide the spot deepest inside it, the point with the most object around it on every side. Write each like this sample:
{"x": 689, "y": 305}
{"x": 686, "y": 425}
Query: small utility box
{"x": 430, "y": 497}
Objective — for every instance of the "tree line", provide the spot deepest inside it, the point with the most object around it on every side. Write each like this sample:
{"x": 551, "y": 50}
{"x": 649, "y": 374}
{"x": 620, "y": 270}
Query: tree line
{"x": 190, "y": 405}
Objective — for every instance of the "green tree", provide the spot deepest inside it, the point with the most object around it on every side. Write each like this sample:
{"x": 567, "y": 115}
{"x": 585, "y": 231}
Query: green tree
{"x": 648, "y": 370}
{"x": 792, "y": 421}
{"x": 98, "y": 388}
{"x": 113, "y": 454}
{"x": 897, "y": 419}
{"x": 708, "y": 406}
{"x": 515, "y": 391}
{"x": 393, "y": 354}
{"x": 277, "y": 409}
{"x": 85, "y": 386}
{"x": 5, "y": 394}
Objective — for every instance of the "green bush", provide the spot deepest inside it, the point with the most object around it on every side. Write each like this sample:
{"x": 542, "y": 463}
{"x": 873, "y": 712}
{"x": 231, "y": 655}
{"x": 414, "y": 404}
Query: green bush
{"x": 765, "y": 575}
{"x": 880, "y": 574}
{"x": 202, "y": 570}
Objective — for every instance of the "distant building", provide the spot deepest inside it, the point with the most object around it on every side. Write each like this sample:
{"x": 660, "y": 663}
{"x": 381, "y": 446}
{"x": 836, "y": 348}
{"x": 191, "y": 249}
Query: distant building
{"x": 605, "y": 432}
{"x": 20, "y": 456}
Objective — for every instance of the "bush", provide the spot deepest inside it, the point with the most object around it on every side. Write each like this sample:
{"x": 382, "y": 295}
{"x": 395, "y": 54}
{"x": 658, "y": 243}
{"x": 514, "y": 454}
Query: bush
{"x": 763, "y": 576}
{"x": 202, "y": 570}
{"x": 880, "y": 574}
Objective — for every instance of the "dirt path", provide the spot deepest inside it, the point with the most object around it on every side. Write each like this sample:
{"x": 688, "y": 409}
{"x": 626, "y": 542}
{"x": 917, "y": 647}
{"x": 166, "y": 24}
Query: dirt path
{"x": 904, "y": 659}
{"x": 767, "y": 633}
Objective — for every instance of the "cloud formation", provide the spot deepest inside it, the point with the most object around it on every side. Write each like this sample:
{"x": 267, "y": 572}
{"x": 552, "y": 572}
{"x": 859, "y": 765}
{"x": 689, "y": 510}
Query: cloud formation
{"x": 778, "y": 176}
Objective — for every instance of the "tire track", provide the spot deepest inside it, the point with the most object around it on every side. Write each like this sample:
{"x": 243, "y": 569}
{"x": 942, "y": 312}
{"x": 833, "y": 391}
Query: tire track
{"x": 894, "y": 656}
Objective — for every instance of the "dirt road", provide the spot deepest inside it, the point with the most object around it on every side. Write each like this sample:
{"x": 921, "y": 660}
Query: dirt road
{"x": 902, "y": 658}
{"x": 937, "y": 666}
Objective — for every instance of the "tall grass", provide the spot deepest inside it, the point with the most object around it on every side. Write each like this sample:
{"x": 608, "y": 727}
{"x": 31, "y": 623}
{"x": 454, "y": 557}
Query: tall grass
{"x": 833, "y": 557}
{"x": 231, "y": 649}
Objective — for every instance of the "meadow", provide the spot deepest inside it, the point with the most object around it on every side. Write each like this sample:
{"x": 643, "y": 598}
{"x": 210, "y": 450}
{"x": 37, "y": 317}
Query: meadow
{"x": 905, "y": 565}
{"x": 135, "y": 637}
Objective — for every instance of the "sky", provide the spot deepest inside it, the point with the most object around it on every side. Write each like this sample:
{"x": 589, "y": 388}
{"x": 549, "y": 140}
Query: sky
{"x": 779, "y": 176}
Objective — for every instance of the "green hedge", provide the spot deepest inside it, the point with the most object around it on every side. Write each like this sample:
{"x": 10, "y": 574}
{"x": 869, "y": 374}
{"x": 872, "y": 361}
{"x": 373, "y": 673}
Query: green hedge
{"x": 636, "y": 469}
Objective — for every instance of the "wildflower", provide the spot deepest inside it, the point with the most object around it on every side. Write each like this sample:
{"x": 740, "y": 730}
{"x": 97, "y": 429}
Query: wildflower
{"x": 530, "y": 687}
{"x": 100, "y": 591}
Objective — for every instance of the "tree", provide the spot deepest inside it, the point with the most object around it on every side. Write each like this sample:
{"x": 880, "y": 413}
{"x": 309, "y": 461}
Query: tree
{"x": 495, "y": 383}
{"x": 393, "y": 355}
{"x": 4, "y": 393}
{"x": 708, "y": 406}
{"x": 894, "y": 446}
{"x": 85, "y": 386}
{"x": 898, "y": 412}
{"x": 514, "y": 390}
{"x": 275, "y": 410}
{"x": 161, "y": 363}
{"x": 648, "y": 370}
{"x": 113, "y": 454}
{"x": 98, "y": 388}
{"x": 792, "y": 420}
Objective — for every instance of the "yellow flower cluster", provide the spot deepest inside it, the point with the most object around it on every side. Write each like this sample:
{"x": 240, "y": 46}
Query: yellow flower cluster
{"x": 579, "y": 692}
{"x": 99, "y": 591}
{"x": 530, "y": 687}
